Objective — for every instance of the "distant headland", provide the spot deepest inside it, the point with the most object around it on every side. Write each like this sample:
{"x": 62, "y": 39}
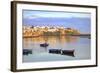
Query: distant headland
{"x": 36, "y": 31}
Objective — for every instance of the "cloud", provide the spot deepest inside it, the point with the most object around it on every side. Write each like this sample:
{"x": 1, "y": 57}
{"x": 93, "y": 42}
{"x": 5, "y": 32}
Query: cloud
{"x": 52, "y": 14}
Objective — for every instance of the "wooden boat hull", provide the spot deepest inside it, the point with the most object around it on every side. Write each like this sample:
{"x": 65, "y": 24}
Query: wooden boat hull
{"x": 56, "y": 51}
{"x": 44, "y": 45}
{"x": 27, "y": 51}
{"x": 62, "y": 52}
{"x": 68, "y": 52}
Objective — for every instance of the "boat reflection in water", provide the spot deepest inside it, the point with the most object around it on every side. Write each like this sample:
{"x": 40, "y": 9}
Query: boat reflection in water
{"x": 62, "y": 52}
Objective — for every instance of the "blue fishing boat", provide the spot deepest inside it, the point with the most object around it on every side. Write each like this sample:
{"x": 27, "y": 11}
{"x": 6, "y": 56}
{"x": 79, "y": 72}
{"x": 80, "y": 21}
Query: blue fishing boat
{"x": 55, "y": 51}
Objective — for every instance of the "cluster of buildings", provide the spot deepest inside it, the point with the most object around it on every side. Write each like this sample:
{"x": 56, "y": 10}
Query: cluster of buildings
{"x": 34, "y": 31}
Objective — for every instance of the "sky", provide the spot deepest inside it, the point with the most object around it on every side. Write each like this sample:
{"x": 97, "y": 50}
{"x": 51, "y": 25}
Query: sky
{"x": 80, "y": 21}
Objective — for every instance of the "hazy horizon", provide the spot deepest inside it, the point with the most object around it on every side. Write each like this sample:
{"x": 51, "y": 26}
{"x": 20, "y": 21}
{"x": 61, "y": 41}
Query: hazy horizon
{"x": 79, "y": 21}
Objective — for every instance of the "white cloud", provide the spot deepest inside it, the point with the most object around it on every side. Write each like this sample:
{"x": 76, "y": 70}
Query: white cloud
{"x": 36, "y": 14}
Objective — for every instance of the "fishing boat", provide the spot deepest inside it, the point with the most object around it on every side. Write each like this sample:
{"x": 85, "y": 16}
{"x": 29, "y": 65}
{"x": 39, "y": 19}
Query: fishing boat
{"x": 62, "y": 52}
{"x": 44, "y": 45}
{"x": 27, "y": 51}
{"x": 68, "y": 52}
{"x": 55, "y": 51}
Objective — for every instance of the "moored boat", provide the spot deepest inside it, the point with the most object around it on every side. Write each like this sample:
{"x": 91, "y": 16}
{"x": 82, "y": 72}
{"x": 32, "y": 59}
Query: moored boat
{"x": 44, "y": 45}
{"x": 27, "y": 51}
{"x": 68, "y": 52}
{"x": 62, "y": 52}
{"x": 56, "y": 51}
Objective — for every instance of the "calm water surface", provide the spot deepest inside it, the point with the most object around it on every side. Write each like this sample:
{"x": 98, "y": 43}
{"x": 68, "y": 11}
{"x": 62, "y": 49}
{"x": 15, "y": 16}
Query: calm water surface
{"x": 81, "y": 45}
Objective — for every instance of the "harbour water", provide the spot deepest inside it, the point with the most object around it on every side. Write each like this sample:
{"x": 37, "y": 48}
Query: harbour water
{"x": 81, "y": 46}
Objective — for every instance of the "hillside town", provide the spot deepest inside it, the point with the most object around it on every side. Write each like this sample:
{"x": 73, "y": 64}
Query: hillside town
{"x": 35, "y": 31}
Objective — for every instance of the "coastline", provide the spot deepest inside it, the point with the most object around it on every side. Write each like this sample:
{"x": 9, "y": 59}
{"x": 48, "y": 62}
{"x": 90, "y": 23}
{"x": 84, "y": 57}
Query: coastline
{"x": 83, "y": 35}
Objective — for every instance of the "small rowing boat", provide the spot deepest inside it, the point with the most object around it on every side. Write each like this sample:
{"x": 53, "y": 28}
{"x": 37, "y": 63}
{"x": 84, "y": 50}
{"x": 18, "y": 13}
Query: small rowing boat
{"x": 44, "y": 45}
{"x": 27, "y": 51}
{"x": 62, "y": 52}
{"x": 68, "y": 52}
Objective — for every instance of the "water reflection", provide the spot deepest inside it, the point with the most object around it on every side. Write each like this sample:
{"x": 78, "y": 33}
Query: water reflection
{"x": 52, "y": 40}
{"x": 81, "y": 45}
